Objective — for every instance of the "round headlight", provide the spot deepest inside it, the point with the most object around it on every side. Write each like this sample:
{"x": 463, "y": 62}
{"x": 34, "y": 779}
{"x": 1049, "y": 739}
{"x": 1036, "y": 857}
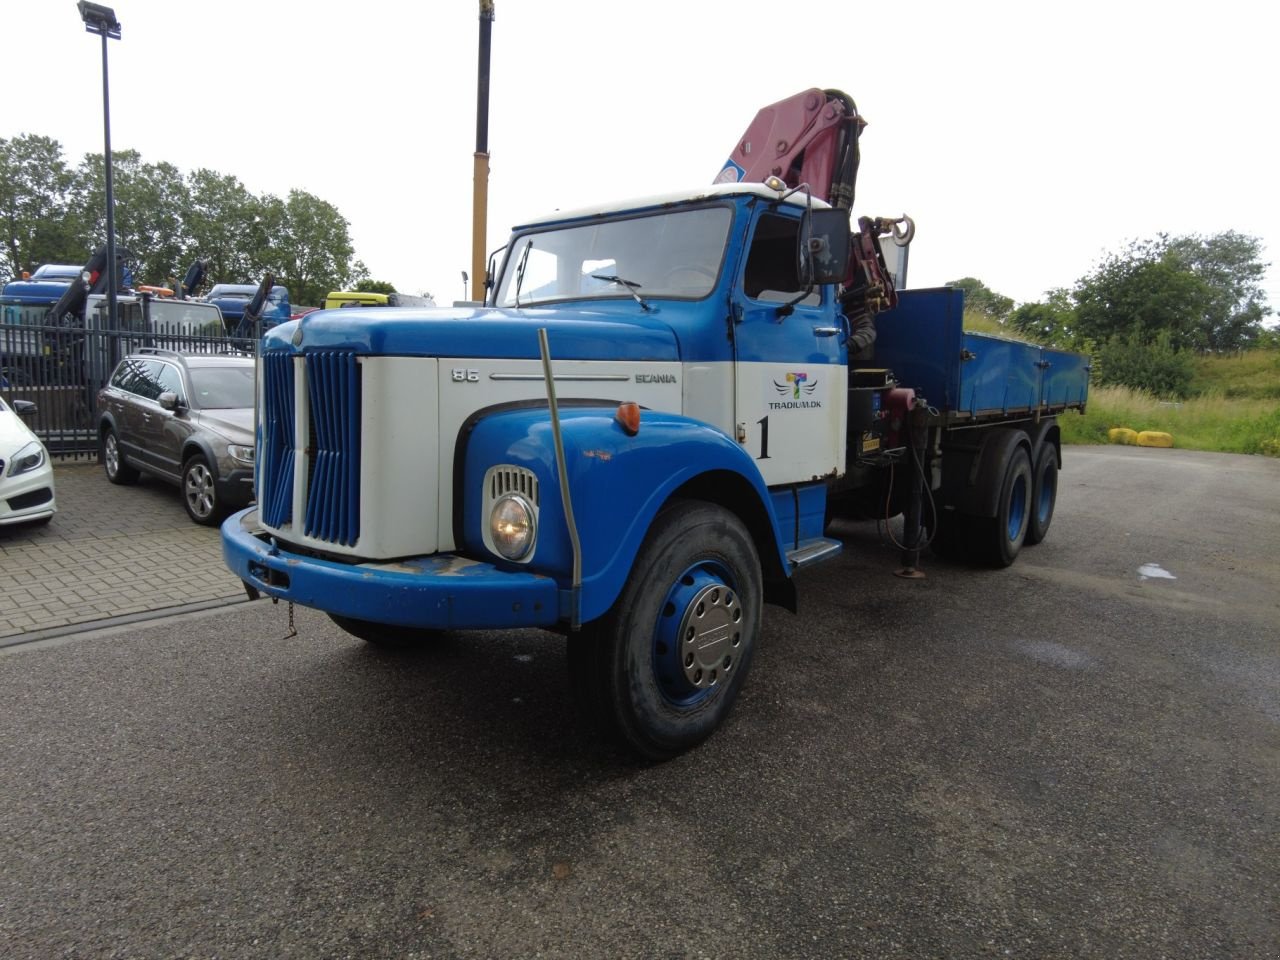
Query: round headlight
{"x": 511, "y": 526}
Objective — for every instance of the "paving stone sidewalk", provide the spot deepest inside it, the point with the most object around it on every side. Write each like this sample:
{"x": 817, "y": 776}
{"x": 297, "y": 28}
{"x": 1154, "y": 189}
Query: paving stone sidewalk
{"x": 110, "y": 551}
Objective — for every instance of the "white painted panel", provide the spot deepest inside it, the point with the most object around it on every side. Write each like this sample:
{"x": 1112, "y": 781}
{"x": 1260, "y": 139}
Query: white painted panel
{"x": 399, "y": 457}
{"x": 803, "y": 409}
{"x": 467, "y": 385}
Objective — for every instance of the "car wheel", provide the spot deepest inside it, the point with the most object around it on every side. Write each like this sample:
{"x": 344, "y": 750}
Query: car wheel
{"x": 385, "y": 636}
{"x": 199, "y": 492}
{"x": 663, "y": 667}
{"x": 113, "y": 460}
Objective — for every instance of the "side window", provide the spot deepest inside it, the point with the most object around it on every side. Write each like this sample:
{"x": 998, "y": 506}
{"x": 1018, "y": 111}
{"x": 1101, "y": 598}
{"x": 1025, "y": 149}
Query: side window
{"x": 772, "y": 273}
{"x": 140, "y": 377}
{"x": 170, "y": 380}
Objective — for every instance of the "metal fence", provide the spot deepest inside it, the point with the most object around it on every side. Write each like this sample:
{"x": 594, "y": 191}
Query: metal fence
{"x": 61, "y": 369}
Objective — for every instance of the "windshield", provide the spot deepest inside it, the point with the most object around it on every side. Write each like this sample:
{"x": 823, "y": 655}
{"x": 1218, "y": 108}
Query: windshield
{"x": 676, "y": 254}
{"x": 222, "y": 388}
{"x": 185, "y": 316}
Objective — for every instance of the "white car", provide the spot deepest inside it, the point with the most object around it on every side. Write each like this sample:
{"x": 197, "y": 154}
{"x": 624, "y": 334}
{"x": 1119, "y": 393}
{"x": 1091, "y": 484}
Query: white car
{"x": 26, "y": 475}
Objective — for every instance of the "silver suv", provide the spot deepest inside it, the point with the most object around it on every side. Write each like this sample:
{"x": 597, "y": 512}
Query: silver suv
{"x": 187, "y": 419}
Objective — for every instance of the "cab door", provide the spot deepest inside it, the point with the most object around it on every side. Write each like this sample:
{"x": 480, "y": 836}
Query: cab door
{"x": 791, "y": 378}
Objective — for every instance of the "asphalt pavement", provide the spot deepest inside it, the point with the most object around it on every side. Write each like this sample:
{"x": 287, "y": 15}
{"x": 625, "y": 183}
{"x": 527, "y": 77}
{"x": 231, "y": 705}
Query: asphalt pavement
{"x": 1075, "y": 757}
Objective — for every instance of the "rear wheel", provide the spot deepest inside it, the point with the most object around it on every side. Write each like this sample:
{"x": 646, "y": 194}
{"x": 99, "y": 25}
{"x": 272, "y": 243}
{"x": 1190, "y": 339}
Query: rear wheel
{"x": 385, "y": 636}
{"x": 113, "y": 460}
{"x": 1044, "y": 495}
{"x": 1002, "y": 536}
{"x": 663, "y": 667}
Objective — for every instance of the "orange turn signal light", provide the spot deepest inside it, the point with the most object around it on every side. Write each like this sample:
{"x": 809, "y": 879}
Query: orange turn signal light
{"x": 628, "y": 416}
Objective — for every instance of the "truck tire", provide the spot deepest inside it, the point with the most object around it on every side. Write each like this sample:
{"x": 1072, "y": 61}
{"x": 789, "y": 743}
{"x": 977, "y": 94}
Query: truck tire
{"x": 662, "y": 668}
{"x": 385, "y": 636}
{"x": 1044, "y": 495}
{"x": 1002, "y": 536}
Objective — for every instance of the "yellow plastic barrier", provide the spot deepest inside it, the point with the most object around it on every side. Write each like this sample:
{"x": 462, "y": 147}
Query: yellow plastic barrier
{"x": 1154, "y": 438}
{"x": 1122, "y": 435}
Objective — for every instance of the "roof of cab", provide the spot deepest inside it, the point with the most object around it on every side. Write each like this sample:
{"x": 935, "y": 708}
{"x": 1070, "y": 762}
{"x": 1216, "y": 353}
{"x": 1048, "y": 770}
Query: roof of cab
{"x": 713, "y": 192}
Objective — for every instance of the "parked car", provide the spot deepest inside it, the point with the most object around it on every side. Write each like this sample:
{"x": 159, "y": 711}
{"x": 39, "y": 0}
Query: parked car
{"x": 187, "y": 419}
{"x": 26, "y": 475}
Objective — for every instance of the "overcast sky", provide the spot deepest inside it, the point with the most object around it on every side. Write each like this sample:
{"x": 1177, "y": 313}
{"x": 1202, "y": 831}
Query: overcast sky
{"x": 1026, "y": 139}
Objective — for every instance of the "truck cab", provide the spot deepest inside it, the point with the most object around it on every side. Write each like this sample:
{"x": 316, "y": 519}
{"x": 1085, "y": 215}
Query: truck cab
{"x": 232, "y": 298}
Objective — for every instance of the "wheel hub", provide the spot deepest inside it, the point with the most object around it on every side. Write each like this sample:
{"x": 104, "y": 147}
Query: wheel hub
{"x": 709, "y": 635}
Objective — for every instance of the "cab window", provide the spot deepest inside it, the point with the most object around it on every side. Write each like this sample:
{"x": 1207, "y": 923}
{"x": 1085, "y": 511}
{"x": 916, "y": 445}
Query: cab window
{"x": 772, "y": 272}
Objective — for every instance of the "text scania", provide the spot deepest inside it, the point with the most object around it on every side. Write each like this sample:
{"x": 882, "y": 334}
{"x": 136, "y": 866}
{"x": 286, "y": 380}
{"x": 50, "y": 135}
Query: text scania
{"x": 655, "y": 378}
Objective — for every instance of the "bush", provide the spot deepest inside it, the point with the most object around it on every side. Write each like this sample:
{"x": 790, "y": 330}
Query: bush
{"x": 1155, "y": 367}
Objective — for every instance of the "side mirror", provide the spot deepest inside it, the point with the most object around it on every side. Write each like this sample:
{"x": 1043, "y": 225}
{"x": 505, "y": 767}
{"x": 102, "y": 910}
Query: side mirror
{"x": 24, "y": 408}
{"x": 168, "y": 400}
{"x": 824, "y": 246}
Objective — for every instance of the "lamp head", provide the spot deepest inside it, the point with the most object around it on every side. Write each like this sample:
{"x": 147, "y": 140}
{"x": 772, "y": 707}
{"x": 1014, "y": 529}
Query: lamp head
{"x": 99, "y": 19}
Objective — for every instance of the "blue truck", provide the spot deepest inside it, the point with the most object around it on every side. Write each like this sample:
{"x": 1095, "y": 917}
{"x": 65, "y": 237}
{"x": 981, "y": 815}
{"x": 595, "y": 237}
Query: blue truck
{"x": 232, "y": 298}
{"x": 639, "y": 440}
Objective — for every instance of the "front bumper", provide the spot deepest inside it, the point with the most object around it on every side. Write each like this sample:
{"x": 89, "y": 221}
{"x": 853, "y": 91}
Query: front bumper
{"x": 28, "y": 496}
{"x": 443, "y": 591}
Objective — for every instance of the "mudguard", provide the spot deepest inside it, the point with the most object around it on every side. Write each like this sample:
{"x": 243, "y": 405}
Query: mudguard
{"x": 617, "y": 484}
{"x": 977, "y": 491}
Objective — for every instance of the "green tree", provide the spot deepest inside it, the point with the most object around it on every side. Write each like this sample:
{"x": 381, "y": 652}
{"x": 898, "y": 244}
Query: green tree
{"x": 226, "y": 226}
{"x": 150, "y": 205}
{"x": 1204, "y": 292}
{"x": 36, "y": 222}
{"x": 1051, "y": 322}
{"x": 982, "y": 299}
{"x": 311, "y": 245}
{"x": 374, "y": 286}
{"x": 1231, "y": 264}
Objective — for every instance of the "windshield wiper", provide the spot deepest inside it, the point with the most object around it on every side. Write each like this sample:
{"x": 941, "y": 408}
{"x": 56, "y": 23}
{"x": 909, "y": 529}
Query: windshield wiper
{"x": 631, "y": 286}
{"x": 524, "y": 259}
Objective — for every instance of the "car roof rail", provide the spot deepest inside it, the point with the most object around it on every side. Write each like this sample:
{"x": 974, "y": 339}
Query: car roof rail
{"x": 159, "y": 351}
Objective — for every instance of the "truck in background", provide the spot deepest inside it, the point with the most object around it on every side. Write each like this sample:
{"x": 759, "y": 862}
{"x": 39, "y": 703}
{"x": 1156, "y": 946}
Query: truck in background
{"x": 359, "y": 298}
{"x": 644, "y": 433}
{"x": 232, "y": 298}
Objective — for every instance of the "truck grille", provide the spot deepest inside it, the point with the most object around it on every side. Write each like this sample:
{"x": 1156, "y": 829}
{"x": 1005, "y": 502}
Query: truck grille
{"x": 333, "y": 469}
{"x": 276, "y": 470}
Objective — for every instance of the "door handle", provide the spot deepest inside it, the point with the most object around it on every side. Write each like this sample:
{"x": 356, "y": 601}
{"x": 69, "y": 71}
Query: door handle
{"x": 826, "y": 331}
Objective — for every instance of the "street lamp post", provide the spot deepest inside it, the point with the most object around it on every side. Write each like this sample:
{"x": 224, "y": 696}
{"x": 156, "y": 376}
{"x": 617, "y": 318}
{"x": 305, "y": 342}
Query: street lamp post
{"x": 102, "y": 21}
{"x": 480, "y": 186}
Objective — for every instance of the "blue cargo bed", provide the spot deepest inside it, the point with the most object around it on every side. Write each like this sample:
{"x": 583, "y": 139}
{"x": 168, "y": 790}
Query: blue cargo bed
{"x": 973, "y": 376}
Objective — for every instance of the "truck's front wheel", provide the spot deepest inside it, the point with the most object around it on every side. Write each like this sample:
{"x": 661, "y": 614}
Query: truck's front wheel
{"x": 664, "y": 666}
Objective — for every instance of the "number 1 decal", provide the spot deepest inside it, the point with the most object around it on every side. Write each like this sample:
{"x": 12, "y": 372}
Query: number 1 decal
{"x": 764, "y": 438}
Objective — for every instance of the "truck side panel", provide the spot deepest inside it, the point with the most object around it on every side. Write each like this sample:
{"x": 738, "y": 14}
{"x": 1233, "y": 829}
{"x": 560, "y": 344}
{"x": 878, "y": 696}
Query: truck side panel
{"x": 973, "y": 376}
{"x": 920, "y": 341}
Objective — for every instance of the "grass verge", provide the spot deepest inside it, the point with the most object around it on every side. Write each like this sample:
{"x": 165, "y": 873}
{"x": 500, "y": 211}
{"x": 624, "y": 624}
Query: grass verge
{"x": 1210, "y": 422}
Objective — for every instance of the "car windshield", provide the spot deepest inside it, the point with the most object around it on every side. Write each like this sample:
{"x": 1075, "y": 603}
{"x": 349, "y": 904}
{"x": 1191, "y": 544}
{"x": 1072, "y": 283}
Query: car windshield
{"x": 672, "y": 254}
{"x": 222, "y": 388}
